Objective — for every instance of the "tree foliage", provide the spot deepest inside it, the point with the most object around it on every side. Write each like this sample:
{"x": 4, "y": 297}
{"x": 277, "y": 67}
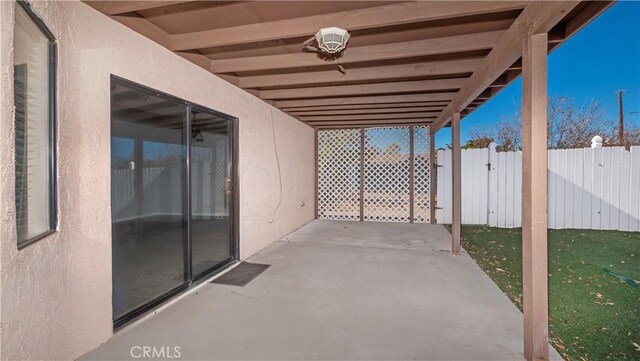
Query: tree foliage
{"x": 569, "y": 126}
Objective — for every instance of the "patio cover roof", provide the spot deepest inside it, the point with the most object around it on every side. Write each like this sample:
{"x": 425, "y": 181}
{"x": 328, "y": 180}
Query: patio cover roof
{"x": 406, "y": 62}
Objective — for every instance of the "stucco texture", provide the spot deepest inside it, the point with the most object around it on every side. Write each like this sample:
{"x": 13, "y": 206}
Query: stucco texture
{"x": 55, "y": 295}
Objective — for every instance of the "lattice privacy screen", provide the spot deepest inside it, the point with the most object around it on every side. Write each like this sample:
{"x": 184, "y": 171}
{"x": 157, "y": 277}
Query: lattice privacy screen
{"x": 381, "y": 179}
{"x": 339, "y": 174}
{"x": 421, "y": 170}
{"x": 387, "y": 174}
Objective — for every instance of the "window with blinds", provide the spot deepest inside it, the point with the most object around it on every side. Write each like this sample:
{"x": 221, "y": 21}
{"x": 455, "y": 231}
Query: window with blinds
{"x": 34, "y": 101}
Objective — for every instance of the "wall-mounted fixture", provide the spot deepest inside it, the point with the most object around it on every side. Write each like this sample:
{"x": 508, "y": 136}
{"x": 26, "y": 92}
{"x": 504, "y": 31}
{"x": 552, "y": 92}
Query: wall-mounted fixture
{"x": 331, "y": 40}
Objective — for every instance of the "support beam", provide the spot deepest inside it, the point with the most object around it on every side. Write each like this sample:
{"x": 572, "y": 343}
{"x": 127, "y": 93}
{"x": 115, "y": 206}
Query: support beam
{"x": 433, "y": 168}
{"x": 456, "y": 171}
{"x": 537, "y": 17}
{"x": 402, "y": 87}
{"x": 121, "y": 7}
{"x": 375, "y": 17}
{"x": 416, "y": 48}
{"x": 367, "y": 111}
{"x": 391, "y": 116}
{"x": 380, "y": 73}
{"x": 380, "y": 99}
{"x": 534, "y": 197}
{"x": 368, "y": 106}
{"x": 381, "y": 122}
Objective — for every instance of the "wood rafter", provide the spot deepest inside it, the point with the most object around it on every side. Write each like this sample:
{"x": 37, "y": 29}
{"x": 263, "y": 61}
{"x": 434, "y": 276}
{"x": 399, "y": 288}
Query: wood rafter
{"x": 370, "y": 116}
{"x": 366, "y": 89}
{"x": 122, "y": 7}
{"x": 379, "y": 73}
{"x": 365, "y": 100}
{"x": 449, "y": 44}
{"x": 366, "y": 111}
{"x": 368, "y": 106}
{"x": 381, "y": 16}
{"x": 384, "y": 122}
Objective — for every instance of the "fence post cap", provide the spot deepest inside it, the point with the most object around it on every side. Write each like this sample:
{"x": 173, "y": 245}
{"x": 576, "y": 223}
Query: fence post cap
{"x": 492, "y": 145}
{"x": 596, "y": 142}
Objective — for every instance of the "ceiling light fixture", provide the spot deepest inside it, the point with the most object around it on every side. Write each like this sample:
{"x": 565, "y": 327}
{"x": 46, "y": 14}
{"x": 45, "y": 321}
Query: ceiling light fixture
{"x": 331, "y": 40}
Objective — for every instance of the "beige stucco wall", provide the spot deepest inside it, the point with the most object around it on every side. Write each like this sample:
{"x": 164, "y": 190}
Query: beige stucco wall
{"x": 55, "y": 295}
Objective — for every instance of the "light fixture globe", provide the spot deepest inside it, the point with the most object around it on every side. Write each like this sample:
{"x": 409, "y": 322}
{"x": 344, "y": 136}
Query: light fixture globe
{"x": 332, "y": 40}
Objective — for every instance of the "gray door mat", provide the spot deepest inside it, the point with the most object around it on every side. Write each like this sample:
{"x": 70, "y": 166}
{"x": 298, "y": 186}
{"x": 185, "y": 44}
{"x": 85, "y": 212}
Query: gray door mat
{"x": 242, "y": 274}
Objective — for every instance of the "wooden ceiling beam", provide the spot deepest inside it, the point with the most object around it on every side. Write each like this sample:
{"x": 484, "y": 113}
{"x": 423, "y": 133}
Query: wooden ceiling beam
{"x": 380, "y": 99}
{"x": 378, "y": 73}
{"x": 369, "y": 116}
{"x": 365, "y": 89}
{"x": 122, "y": 7}
{"x": 366, "y": 111}
{"x": 380, "y": 16}
{"x": 365, "y": 123}
{"x": 535, "y": 18}
{"x": 369, "y": 106}
{"x": 435, "y": 46}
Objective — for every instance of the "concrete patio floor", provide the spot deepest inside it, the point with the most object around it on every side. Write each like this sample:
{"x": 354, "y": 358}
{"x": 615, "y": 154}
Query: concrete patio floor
{"x": 342, "y": 291}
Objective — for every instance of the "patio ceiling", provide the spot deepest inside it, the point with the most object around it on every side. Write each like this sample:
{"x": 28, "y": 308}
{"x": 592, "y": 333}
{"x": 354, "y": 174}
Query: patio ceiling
{"x": 406, "y": 62}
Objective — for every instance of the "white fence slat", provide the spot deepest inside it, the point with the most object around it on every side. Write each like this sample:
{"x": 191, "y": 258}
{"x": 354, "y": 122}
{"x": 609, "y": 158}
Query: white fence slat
{"x": 474, "y": 187}
{"x": 605, "y": 205}
{"x": 634, "y": 189}
{"x": 483, "y": 193}
{"x": 517, "y": 176}
{"x": 442, "y": 179}
{"x": 509, "y": 203}
{"x": 569, "y": 184}
{"x": 502, "y": 176}
{"x": 578, "y": 187}
{"x": 493, "y": 186}
{"x": 624, "y": 190}
{"x": 466, "y": 174}
{"x": 560, "y": 188}
{"x": 551, "y": 188}
{"x": 596, "y": 211}
{"x": 614, "y": 176}
{"x": 443, "y": 214}
{"x": 587, "y": 172}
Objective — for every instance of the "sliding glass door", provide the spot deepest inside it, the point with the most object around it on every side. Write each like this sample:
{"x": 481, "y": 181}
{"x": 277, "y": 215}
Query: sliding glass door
{"x": 171, "y": 196}
{"x": 211, "y": 224}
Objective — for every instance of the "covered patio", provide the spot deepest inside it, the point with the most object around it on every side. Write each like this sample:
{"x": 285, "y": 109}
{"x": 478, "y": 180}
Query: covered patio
{"x": 300, "y": 145}
{"x": 342, "y": 291}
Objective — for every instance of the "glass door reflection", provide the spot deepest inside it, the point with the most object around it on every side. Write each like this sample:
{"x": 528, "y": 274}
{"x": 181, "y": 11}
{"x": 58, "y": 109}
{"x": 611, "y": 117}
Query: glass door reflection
{"x": 211, "y": 225}
{"x": 148, "y": 157}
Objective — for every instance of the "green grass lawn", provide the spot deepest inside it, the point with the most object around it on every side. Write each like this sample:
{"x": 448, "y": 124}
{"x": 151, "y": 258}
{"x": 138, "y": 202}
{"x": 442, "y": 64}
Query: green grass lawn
{"x": 594, "y": 286}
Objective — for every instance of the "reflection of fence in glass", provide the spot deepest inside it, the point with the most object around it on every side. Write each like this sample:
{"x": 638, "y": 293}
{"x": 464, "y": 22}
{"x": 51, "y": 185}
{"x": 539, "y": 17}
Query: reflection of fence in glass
{"x": 587, "y": 188}
{"x": 157, "y": 201}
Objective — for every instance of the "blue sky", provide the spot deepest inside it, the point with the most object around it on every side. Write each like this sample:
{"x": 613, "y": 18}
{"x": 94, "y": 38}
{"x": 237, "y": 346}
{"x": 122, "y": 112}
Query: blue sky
{"x": 601, "y": 59}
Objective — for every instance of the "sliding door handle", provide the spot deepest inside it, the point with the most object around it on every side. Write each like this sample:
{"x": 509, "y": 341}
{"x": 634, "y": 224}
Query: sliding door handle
{"x": 227, "y": 185}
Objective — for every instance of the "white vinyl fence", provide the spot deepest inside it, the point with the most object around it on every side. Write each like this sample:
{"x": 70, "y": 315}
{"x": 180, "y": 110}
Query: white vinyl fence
{"x": 588, "y": 188}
